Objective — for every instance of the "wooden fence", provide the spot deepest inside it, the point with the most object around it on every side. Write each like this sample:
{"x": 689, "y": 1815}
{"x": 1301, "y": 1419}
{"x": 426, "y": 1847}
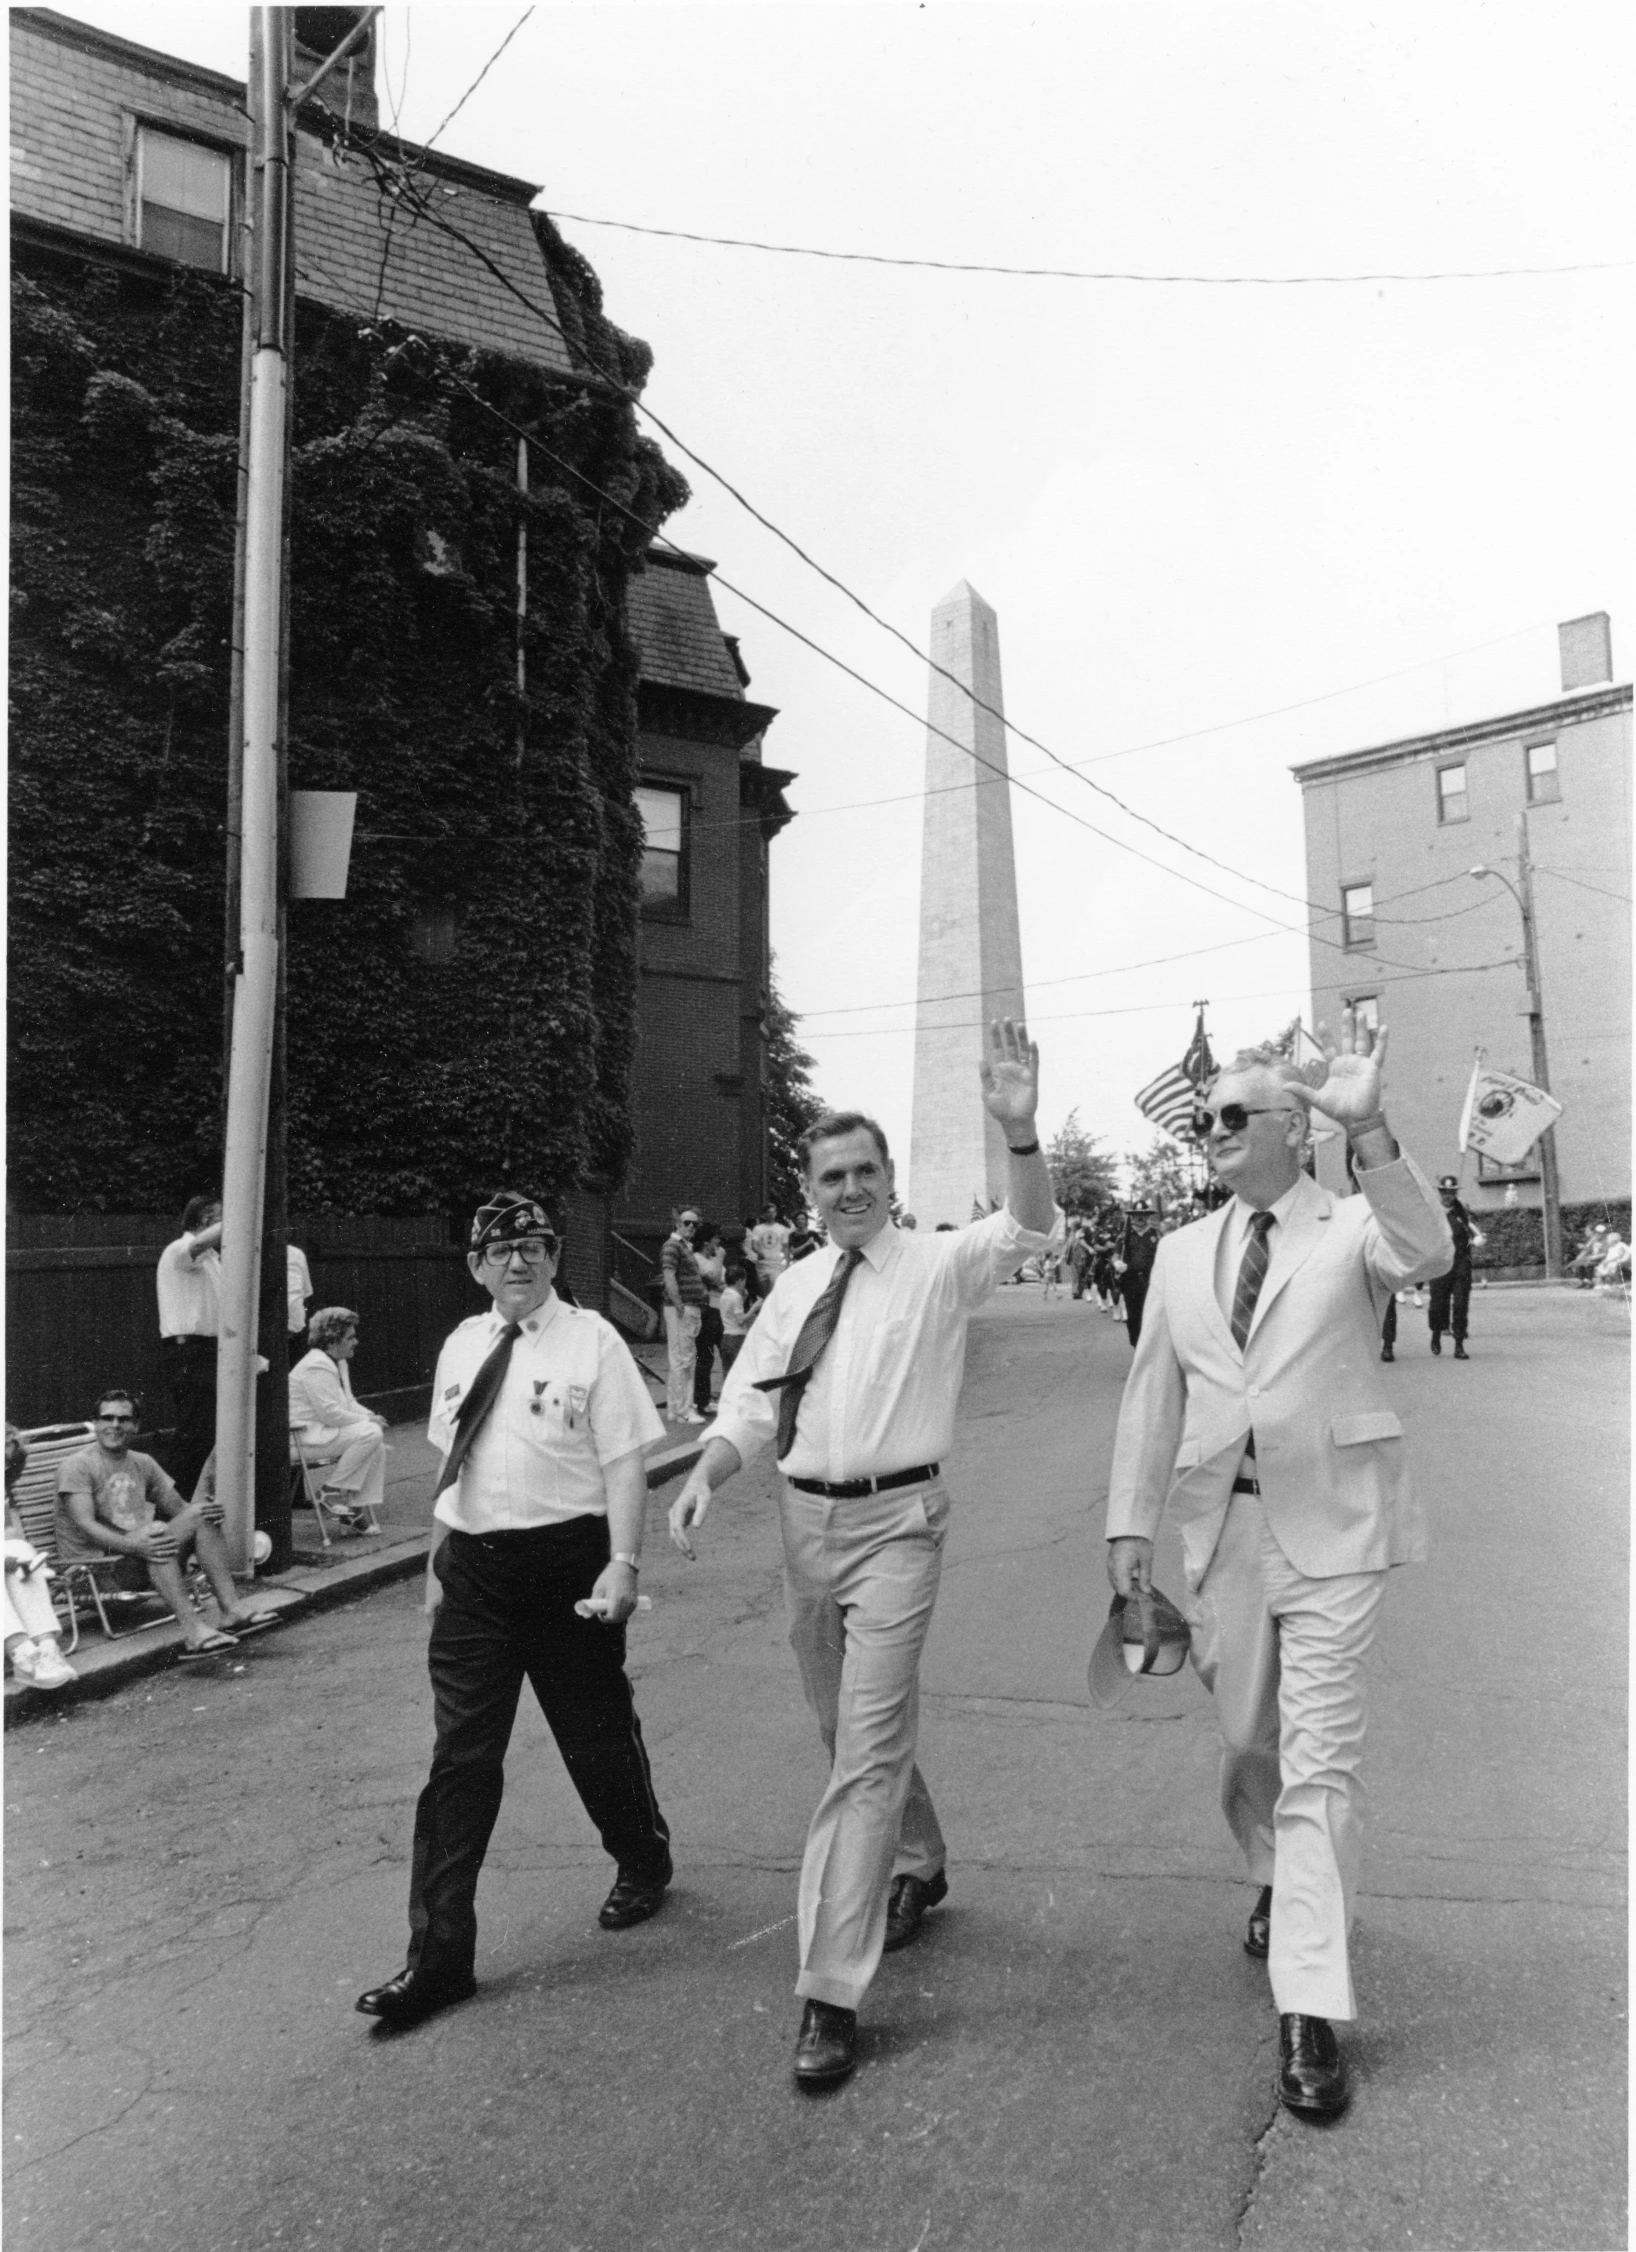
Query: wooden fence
{"x": 81, "y": 1310}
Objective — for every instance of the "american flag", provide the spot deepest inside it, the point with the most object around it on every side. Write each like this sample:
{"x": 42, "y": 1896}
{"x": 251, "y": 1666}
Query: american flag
{"x": 1169, "y": 1100}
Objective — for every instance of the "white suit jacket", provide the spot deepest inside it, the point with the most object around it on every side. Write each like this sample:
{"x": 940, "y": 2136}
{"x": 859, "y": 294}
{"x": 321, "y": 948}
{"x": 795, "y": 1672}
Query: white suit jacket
{"x": 1328, "y": 1442}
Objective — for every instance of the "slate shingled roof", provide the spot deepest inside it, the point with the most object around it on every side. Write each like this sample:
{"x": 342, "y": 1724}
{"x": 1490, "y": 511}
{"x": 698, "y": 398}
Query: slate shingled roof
{"x": 74, "y": 89}
{"x": 678, "y": 637}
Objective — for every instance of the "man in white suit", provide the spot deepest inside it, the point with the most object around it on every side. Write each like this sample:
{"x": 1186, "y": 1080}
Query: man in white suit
{"x": 1254, "y": 1411}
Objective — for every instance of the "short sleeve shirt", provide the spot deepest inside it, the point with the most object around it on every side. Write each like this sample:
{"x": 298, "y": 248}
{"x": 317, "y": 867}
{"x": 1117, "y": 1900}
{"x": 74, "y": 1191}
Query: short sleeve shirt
{"x": 125, "y": 1495}
{"x": 189, "y": 1290}
{"x": 573, "y": 1401}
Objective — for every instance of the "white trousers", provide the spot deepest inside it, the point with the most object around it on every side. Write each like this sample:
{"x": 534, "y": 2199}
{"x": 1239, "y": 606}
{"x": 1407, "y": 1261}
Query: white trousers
{"x": 860, "y": 1580}
{"x": 354, "y": 1460}
{"x": 682, "y": 1342}
{"x": 1283, "y": 1657}
{"x": 26, "y": 1608}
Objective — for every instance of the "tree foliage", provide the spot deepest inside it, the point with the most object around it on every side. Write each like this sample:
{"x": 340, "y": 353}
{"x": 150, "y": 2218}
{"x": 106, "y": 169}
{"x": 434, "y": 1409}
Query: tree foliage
{"x": 1083, "y": 1176}
{"x": 467, "y": 1014}
{"x": 1165, "y": 1174}
{"x": 792, "y": 1105}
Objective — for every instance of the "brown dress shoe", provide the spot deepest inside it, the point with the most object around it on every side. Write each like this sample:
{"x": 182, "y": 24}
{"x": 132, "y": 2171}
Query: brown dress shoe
{"x": 910, "y": 1899}
{"x": 1311, "y": 2075}
{"x": 826, "y": 2046}
{"x": 1258, "y": 1932}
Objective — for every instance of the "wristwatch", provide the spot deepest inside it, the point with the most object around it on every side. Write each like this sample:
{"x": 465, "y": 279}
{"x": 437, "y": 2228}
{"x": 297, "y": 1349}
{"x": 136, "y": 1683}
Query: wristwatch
{"x": 622, "y": 1556}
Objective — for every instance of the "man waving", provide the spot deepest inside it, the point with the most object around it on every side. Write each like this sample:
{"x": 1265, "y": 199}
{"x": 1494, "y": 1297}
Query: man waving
{"x": 852, "y": 1370}
{"x": 1254, "y": 1411}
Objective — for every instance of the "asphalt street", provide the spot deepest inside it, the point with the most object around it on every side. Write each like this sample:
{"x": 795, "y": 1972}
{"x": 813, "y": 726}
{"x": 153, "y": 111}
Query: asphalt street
{"x": 206, "y": 1867}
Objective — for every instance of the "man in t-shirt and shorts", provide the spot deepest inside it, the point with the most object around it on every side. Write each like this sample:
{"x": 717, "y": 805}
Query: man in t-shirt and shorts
{"x": 113, "y": 1502}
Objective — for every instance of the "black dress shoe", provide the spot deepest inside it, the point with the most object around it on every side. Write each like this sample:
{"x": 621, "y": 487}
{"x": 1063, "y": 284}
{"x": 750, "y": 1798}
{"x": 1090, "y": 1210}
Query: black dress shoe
{"x": 1387, "y": 1354}
{"x": 1258, "y": 1932}
{"x": 826, "y": 2046}
{"x": 632, "y": 1901}
{"x": 413, "y": 1996}
{"x": 1311, "y": 2075}
{"x": 911, "y": 1897}
{"x": 1460, "y": 1352}
{"x": 1437, "y": 1341}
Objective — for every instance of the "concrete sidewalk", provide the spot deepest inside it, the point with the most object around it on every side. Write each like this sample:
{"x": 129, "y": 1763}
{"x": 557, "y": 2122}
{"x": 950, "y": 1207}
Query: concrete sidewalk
{"x": 318, "y": 1578}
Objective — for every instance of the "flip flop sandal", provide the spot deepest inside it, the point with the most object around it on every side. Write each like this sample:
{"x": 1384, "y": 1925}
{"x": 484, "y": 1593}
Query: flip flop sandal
{"x": 213, "y": 1646}
{"x": 257, "y": 1623}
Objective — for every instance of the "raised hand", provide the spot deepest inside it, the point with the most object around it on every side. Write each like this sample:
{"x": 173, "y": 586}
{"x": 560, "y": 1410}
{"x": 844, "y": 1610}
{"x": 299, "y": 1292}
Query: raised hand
{"x": 1010, "y": 1073}
{"x": 1351, "y": 1090}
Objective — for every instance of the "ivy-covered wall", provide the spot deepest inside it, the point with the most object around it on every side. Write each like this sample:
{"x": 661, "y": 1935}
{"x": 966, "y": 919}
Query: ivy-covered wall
{"x": 466, "y": 1015}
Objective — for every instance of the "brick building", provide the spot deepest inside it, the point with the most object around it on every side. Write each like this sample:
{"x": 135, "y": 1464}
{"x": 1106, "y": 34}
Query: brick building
{"x": 134, "y": 162}
{"x": 1391, "y": 832}
{"x": 711, "y": 809}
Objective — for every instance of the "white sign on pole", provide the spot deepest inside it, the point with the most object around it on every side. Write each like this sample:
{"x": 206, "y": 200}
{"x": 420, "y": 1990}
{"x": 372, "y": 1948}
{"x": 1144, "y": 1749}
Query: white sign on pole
{"x": 321, "y": 842}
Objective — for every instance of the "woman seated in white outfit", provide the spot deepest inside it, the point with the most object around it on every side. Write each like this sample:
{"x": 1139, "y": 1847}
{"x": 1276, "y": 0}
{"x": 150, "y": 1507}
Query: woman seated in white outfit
{"x": 349, "y": 1441}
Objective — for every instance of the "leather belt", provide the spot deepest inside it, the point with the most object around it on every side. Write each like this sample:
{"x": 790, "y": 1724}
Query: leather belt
{"x": 854, "y": 1489}
{"x": 1242, "y": 1485}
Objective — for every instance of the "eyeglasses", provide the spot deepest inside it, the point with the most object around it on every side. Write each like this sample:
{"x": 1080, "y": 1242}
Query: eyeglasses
{"x": 533, "y": 1254}
{"x": 1234, "y": 1117}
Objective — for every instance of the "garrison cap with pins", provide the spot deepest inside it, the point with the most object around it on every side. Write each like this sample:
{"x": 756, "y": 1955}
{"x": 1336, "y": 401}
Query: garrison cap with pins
{"x": 510, "y": 1218}
{"x": 1145, "y": 1635}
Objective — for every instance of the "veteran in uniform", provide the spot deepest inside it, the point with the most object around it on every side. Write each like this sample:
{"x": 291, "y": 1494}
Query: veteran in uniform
{"x": 543, "y": 1419}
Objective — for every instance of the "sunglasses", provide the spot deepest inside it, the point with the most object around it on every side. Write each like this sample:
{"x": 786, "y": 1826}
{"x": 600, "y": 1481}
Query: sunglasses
{"x": 1234, "y": 1117}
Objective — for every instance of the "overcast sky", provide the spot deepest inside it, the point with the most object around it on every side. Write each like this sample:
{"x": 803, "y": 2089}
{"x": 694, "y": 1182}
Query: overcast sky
{"x": 1190, "y": 506}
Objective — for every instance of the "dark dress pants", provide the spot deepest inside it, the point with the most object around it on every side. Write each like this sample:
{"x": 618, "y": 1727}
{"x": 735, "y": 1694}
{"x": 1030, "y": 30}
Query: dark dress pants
{"x": 710, "y": 1336}
{"x": 508, "y": 1611}
{"x": 191, "y": 1364}
{"x": 1449, "y": 1304}
{"x": 1135, "y": 1294}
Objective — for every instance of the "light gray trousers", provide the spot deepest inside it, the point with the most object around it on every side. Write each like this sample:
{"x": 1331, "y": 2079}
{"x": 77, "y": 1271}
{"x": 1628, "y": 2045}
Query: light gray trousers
{"x": 1283, "y": 1657}
{"x": 860, "y": 1580}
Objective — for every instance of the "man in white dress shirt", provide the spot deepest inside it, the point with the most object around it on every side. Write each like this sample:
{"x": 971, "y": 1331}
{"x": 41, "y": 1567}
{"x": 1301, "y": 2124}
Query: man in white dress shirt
{"x": 537, "y": 1535}
{"x": 853, "y": 1369}
{"x": 1254, "y": 1412}
{"x": 187, "y": 1281}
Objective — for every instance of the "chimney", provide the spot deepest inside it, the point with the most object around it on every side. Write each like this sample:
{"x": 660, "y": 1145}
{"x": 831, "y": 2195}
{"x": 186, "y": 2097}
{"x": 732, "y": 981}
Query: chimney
{"x": 1586, "y": 645}
{"x": 349, "y": 90}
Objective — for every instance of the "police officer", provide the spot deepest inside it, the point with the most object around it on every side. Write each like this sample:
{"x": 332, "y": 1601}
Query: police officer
{"x": 1450, "y": 1298}
{"x": 1138, "y": 1249}
{"x": 536, "y": 1539}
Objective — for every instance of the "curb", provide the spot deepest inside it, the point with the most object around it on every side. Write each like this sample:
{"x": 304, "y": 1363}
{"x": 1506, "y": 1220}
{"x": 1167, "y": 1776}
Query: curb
{"x": 297, "y": 1594}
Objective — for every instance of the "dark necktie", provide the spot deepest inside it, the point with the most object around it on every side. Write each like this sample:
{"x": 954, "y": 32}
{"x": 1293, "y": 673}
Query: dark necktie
{"x": 815, "y": 1333}
{"x": 1252, "y": 1274}
{"x": 473, "y": 1410}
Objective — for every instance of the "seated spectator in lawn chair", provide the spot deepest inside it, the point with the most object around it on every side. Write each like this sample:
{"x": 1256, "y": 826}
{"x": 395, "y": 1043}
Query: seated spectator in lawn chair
{"x": 349, "y": 1441}
{"x": 28, "y": 1618}
{"x": 116, "y": 1506}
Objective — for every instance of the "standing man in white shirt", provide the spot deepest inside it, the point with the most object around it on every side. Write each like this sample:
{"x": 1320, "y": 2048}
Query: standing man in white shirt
{"x": 853, "y": 1369}
{"x": 537, "y": 1534}
{"x": 188, "y": 1280}
{"x": 1254, "y": 1412}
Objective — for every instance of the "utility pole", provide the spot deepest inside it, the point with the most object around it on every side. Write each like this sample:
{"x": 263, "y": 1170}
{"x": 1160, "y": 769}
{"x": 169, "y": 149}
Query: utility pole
{"x": 1550, "y": 1189}
{"x": 252, "y": 1438}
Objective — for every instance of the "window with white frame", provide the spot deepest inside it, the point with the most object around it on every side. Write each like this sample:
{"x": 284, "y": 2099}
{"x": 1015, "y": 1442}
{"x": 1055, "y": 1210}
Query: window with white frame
{"x": 1544, "y": 787}
{"x": 184, "y": 199}
{"x": 1451, "y": 793}
{"x": 1358, "y": 915}
{"x": 1365, "y": 1008}
{"x": 664, "y": 849}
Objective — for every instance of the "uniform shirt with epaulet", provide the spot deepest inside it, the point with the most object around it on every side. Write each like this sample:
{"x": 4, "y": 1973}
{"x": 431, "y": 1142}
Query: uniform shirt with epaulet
{"x": 573, "y": 1400}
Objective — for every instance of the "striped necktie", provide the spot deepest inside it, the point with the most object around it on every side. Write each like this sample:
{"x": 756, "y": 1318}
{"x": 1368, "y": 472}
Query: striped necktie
{"x": 814, "y": 1334}
{"x": 473, "y": 1410}
{"x": 1252, "y": 1274}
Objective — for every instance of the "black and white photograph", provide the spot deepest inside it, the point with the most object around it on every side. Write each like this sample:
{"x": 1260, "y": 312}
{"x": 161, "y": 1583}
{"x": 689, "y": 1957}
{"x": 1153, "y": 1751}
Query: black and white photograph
{"x": 819, "y": 1127}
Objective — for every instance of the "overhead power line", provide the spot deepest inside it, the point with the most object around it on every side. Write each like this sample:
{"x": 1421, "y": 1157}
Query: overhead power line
{"x": 481, "y": 75}
{"x": 1094, "y": 273}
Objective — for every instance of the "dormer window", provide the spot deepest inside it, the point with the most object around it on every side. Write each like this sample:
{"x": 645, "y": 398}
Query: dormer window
{"x": 184, "y": 200}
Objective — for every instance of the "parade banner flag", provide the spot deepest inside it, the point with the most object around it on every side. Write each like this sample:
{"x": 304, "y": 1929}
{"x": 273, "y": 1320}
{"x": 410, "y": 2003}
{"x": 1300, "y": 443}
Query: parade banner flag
{"x": 1504, "y": 1116}
{"x": 1169, "y": 1100}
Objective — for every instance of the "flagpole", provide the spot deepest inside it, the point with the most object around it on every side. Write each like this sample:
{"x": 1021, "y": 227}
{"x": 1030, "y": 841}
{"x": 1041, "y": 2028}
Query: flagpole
{"x": 1550, "y": 1187}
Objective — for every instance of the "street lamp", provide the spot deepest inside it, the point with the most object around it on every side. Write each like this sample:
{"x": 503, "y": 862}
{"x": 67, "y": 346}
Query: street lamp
{"x": 1550, "y": 1191}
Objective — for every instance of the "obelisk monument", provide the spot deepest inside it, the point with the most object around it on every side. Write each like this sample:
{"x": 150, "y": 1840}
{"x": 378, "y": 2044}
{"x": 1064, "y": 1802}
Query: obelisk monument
{"x": 970, "y": 948}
